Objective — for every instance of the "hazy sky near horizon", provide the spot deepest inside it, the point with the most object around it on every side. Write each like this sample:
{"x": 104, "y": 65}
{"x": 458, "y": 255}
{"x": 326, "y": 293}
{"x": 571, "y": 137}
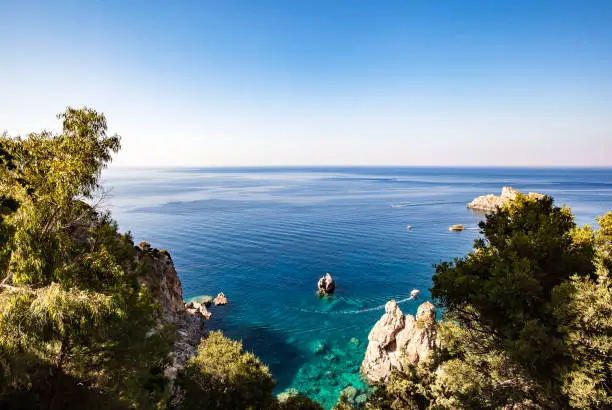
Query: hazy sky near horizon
{"x": 313, "y": 82}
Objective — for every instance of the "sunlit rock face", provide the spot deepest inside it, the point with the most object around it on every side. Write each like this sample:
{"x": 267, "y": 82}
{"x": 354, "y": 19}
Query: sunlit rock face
{"x": 326, "y": 285}
{"x": 160, "y": 277}
{"x": 397, "y": 339}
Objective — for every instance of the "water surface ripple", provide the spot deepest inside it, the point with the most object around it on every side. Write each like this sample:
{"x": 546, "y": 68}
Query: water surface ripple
{"x": 265, "y": 235}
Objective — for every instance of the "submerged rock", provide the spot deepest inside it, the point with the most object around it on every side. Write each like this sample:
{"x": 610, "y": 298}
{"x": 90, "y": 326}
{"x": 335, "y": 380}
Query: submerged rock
{"x": 349, "y": 393}
{"x": 220, "y": 299}
{"x": 361, "y": 399}
{"x": 318, "y": 347}
{"x": 490, "y": 203}
{"x": 206, "y": 300}
{"x": 396, "y": 338}
{"x": 326, "y": 285}
{"x": 287, "y": 394}
{"x": 330, "y": 357}
{"x": 313, "y": 372}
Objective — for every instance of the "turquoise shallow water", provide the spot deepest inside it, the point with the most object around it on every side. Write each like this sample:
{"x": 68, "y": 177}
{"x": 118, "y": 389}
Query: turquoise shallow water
{"x": 264, "y": 236}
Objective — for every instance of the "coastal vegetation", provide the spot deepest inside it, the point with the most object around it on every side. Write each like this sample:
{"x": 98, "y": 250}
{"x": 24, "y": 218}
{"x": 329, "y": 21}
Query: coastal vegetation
{"x": 73, "y": 318}
{"x": 528, "y": 318}
{"x": 87, "y": 317}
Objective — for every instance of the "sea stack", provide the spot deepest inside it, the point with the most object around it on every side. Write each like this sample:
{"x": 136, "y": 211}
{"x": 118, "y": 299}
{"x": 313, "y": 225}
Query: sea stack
{"x": 397, "y": 339}
{"x": 490, "y": 203}
{"x": 326, "y": 285}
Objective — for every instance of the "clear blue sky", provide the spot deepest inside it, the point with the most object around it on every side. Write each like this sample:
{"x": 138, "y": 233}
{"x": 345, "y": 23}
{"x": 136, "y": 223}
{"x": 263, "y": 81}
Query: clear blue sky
{"x": 309, "y": 82}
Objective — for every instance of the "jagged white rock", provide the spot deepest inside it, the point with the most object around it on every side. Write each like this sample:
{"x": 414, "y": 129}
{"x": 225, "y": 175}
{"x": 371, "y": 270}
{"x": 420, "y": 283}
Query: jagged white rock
{"x": 389, "y": 324}
{"x": 396, "y": 339}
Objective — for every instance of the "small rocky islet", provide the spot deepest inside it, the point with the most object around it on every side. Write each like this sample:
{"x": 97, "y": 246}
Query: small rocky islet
{"x": 326, "y": 285}
{"x": 491, "y": 202}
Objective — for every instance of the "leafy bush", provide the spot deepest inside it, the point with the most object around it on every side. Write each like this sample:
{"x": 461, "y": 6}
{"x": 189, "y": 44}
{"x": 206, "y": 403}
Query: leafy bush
{"x": 223, "y": 376}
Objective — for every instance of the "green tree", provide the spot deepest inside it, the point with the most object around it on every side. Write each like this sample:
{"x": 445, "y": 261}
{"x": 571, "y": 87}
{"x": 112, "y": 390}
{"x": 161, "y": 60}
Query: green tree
{"x": 501, "y": 292}
{"x": 583, "y": 310}
{"x": 527, "y": 319}
{"x": 223, "y": 376}
{"x": 69, "y": 292}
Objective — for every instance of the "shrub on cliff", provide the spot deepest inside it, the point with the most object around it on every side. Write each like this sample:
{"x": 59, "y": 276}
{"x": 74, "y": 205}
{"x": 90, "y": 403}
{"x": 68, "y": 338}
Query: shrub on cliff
{"x": 223, "y": 376}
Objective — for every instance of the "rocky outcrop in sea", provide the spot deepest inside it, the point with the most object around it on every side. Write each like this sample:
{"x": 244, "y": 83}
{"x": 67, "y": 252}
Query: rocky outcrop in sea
{"x": 490, "y": 203}
{"x": 195, "y": 307}
{"x": 397, "y": 339}
{"x": 220, "y": 299}
{"x": 326, "y": 285}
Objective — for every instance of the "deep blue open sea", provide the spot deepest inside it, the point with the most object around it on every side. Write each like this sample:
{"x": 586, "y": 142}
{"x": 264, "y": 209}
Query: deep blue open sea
{"x": 265, "y": 235}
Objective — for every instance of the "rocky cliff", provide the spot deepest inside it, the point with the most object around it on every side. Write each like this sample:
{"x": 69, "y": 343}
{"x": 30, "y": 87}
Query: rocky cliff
{"x": 160, "y": 277}
{"x": 397, "y": 339}
{"x": 490, "y": 203}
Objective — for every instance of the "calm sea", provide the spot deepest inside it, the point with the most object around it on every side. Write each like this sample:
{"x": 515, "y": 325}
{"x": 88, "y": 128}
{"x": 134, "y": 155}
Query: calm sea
{"x": 264, "y": 236}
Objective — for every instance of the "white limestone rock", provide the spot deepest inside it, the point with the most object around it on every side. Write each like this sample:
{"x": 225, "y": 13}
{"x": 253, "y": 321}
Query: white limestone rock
{"x": 396, "y": 339}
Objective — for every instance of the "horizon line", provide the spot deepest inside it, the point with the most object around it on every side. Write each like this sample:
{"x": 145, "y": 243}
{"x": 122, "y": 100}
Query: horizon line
{"x": 111, "y": 165}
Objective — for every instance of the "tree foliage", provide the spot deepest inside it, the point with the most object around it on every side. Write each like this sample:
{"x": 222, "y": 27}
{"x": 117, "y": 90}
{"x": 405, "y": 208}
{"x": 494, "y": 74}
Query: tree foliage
{"x": 527, "y": 318}
{"x": 504, "y": 288}
{"x": 583, "y": 309}
{"x": 223, "y": 376}
{"x": 69, "y": 292}
{"x": 8, "y": 205}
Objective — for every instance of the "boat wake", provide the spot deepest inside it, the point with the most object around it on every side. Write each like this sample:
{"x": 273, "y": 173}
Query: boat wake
{"x": 356, "y": 312}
